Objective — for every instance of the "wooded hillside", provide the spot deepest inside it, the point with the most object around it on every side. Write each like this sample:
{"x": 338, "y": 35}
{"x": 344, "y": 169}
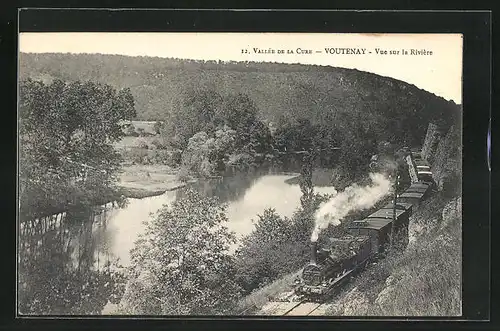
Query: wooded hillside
{"x": 281, "y": 92}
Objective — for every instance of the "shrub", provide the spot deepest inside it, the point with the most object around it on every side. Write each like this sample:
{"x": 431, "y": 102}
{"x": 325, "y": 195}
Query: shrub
{"x": 141, "y": 132}
{"x": 181, "y": 264}
{"x": 143, "y": 144}
{"x": 130, "y": 131}
{"x": 276, "y": 247}
{"x": 160, "y": 144}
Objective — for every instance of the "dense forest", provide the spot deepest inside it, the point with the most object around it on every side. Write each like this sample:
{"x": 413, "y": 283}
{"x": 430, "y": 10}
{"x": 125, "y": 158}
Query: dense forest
{"x": 220, "y": 113}
{"x": 281, "y": 92}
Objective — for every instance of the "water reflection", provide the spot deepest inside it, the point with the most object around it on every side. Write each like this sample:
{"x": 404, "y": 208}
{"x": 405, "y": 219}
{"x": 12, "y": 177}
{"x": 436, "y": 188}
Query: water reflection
{"x": 126, "y": 224}
{"x": 270, "y": 191}
{"x": 227, "y": 188}
{"x": 67, "y": 262}
{"x": 246, "y": 196}
{"x": 62, "y": 268}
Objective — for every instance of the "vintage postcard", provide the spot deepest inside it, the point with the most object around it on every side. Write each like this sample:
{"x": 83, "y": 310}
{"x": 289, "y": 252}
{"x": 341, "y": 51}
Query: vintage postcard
{"x": 240, "y": 174}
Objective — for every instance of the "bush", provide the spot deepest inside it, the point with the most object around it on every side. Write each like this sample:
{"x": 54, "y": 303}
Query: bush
{"x": 130, "y": 131}
{"x": 159, "y": 144}
{"x": 143, "y": 144}
{"x": 276, "y": 247}
{"x": 161, "y": 156}
{"x": 181, "y": 264}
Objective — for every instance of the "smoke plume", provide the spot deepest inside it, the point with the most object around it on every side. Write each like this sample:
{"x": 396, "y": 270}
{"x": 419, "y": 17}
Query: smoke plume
{"x": 353, "y": 198}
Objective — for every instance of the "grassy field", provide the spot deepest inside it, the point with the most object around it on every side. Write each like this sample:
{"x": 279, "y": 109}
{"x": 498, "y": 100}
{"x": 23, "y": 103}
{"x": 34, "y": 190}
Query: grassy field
{"x": 139, "y": 181}
{"x": 134, "y": 142}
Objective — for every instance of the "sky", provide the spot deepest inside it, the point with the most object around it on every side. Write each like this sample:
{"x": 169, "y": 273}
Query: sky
{"x": 439, "y": 73}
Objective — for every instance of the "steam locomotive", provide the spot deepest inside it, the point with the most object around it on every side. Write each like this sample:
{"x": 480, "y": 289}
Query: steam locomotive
{"x": 366, "y": 239}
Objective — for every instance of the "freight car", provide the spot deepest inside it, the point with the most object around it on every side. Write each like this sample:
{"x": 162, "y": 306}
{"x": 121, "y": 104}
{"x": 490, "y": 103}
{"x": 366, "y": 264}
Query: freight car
{"x": 382, "y": 224}
{"x": 416, "y": 193}
{"x": 365, "y": 240}
{"x": 400, "y": 206}
{"x": 401, "y": 215}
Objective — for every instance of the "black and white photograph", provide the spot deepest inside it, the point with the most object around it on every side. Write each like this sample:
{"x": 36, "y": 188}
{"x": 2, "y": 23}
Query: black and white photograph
{"x": 239, "y": 174}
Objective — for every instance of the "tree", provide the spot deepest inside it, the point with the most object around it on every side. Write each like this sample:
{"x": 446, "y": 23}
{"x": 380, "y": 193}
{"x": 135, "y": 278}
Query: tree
{"x": 208, "y": 154}
{"x": 66, "y": 131}
{"x": 358, "y": 144}
{"x": 240, "y": 113}
{"x": 197, "y": 111}
{"x": 276, "y": 247}
{"x": 222, "y": 148}
{"x": 267, "y": 252}
{"x": 182, "y": 265}
{"x": 306, "y": 185}
{"x": 67, "y": 163}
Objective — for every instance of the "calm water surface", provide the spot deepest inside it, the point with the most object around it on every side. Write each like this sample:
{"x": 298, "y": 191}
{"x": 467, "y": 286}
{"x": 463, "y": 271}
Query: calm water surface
{"x": 63, "y": 259}
{"x": 245, "y": 197}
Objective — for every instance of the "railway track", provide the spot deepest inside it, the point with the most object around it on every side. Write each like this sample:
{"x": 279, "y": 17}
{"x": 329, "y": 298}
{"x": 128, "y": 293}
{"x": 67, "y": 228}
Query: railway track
{"x": 294, "y": 308}
{"x": 289, "y": 304}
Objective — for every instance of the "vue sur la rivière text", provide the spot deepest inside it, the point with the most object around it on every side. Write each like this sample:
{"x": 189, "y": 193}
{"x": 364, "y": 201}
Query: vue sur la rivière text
{"x": 337, "y": 51}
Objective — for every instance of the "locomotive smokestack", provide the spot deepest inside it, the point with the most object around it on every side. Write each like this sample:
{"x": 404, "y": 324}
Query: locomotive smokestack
{"x": 314, "y": 247}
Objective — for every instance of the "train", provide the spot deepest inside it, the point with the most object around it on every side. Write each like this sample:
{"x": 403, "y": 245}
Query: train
{"x": 365, "y": 240}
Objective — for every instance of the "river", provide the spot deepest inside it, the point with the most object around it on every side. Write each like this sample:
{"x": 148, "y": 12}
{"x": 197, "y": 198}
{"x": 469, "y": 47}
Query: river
{"x": 63, "y": 265}
{"x": 245, "y": 196}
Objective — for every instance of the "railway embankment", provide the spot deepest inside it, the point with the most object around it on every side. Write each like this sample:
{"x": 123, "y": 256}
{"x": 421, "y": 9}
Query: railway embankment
{"x": 425, "y": 277}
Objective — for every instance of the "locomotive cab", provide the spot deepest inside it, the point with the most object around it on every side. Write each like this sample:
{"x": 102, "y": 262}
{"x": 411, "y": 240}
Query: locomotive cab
{"x": 322, "y": 255}
{"x": 334, "y": 259}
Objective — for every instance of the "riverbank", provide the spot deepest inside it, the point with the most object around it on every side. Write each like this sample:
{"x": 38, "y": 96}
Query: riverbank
{"x": 326, "y": 177}
{"x": 320, "y": 177}
{"x": 141, "y": 181}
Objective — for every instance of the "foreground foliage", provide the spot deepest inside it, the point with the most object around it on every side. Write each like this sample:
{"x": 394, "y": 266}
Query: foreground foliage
{"x": 66, "y": 274}
{"x": 181, "y": 264}
{"x": 67, "y": 164}
{"x": 278, "y": 245}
